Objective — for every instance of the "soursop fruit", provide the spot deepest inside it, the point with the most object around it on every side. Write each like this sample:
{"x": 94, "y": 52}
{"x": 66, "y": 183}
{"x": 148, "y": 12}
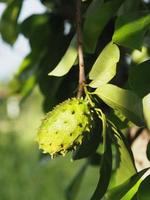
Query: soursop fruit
{"x": 64, "y": 127}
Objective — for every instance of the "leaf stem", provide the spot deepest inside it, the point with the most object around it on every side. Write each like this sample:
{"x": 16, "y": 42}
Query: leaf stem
{"x": 80, "y": 50}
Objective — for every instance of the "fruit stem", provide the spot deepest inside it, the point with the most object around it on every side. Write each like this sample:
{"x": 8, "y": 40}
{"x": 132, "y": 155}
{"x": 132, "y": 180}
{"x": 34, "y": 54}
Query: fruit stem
{"x": 87, "y": 93}
{"x": 80, "y": 50}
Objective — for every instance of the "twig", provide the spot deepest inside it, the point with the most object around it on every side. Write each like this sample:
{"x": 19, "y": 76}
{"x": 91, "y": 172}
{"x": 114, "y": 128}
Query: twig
{"x": 80, "y": 50}
{"x": 137, "y": 134}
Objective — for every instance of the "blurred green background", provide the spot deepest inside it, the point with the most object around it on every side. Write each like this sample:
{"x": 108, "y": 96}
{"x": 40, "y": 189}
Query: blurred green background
{"x": 24, "y": 173}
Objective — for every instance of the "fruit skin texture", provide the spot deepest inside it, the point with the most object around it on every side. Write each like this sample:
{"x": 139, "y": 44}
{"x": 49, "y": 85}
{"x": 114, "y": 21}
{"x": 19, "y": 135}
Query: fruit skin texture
{"x": 64, "y": 127}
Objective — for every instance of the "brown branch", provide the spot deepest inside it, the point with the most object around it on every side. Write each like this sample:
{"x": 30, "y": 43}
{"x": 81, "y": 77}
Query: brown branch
{"x": 131, "y": 139}
{"x": 80, "y": 50}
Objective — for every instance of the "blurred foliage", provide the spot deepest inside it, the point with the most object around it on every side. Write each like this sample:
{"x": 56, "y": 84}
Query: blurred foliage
{"x": 23, "y": 176}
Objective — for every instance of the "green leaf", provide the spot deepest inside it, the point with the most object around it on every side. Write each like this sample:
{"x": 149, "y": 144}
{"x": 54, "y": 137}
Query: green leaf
{"x": 118, "y": 119}
{"x": 138, "y": 57}
{"x": 74, "y": 187}
{"x": 129, "y": 6}
{"x": 31, "y": 24}
{"x": 51, "y": 29}
{"x": 130, "y": 29}
{"x": 125, "y": 101}
{"x": 123, "y": 159}
{"x": 105, "y": 170}
{"x": 8, "y": 23}
{"x": 67, "y": 61}
{"x": 96, "y": 20}
{"x": 146, "y": 109}
{"x": 148, "y": 151}
{"x": 126, "y": 190}
{"x": 144, "y": 189}
{"x": 104, "y": 69}
{"x": 140, "y": 85}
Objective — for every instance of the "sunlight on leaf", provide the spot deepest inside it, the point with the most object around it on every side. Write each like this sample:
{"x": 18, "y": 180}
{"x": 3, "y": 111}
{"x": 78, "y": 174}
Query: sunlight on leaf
{"x": 130, "y": 29}
{"x": 130, "y": 194}
{"x": 146, "y": 109}
{"x": 140, "y": 56}
{"x": 104, "y": 69}
{"x": 67, "y": 60}
{"x": 144, "y": 189}
{"x": 125, "y": 101}
{"x": 127, "y": 189}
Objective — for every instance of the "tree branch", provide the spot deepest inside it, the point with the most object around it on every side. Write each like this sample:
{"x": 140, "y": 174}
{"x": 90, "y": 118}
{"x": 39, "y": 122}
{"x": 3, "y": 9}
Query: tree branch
{"x": 80, "y": 50}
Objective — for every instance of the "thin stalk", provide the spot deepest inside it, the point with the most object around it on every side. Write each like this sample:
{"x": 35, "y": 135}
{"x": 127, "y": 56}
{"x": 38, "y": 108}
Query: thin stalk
{"x": 80, "y": 50}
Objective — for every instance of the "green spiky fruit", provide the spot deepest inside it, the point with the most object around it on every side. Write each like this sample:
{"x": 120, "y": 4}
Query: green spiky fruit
{"x": 64, "y": 127}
